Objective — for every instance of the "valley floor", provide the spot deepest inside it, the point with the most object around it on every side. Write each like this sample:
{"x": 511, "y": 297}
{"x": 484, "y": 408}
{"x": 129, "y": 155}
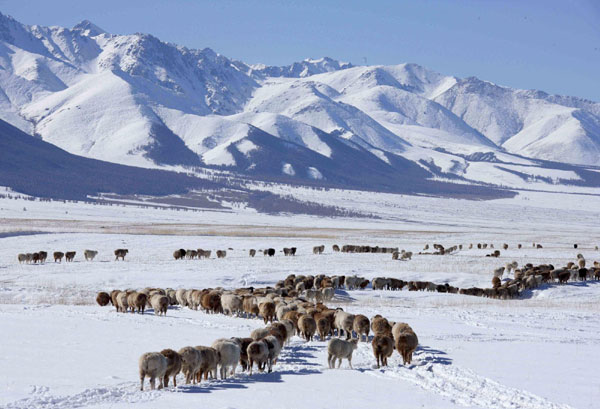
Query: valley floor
{"x": 61, "y": 350}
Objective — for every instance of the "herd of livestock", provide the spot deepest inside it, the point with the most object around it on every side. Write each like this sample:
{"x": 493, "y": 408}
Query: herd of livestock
{"x": 296, "y": 306}
{"x": 287, "y": 314}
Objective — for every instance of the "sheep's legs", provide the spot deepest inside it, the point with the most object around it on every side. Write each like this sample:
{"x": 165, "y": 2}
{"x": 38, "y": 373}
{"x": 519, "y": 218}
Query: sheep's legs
{"x": 142, "y": 382}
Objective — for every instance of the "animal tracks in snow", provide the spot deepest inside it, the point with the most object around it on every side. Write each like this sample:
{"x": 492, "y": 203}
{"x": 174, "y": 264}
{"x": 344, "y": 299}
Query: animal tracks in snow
{"x": 432, "y": 371}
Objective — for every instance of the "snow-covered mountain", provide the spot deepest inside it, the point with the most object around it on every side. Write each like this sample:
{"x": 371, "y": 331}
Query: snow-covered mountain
{"x": 135, "y": 100}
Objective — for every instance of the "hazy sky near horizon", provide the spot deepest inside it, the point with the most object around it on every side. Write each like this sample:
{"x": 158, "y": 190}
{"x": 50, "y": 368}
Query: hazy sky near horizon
{"x": 550, "y": 45}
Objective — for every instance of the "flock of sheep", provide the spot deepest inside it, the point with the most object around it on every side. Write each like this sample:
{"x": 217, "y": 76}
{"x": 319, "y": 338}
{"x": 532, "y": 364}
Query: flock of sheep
{"x": 284, "y": 308}
{"x": 41, "y": 256}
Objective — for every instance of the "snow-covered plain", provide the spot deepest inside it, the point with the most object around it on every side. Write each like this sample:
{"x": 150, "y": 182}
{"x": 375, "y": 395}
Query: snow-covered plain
{"x": 61, "y": 350}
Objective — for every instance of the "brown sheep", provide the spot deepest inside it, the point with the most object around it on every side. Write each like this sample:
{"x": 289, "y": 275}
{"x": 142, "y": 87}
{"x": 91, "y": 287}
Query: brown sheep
{"x": 179, "y": 254}
{"x": 496, "y": 283}
{"x": 209, "y": 358}
{"x": 221, "y": 253}
{"x": 244, "y": 342}
{"x": 70, "y": 255}
{"x": 293, "y": 316}
{"x": 102, "y": 298}
{"x": 323, "y": 326}
{"x": 361, "y": 326}
{"x": 406, "y": 344}
{"x": 381, "y": 326}
{"x": 249, "y": 306}
{"x": 267, "y": 311}
{"x": 252, "y": 252}
{"x": 307, "y": 326}
{"x": 336, "y": 248}
{"x": 58, "y": 255}
{"x": 383, "y": 347}
{"x": 173, "y": 366}
{"x": 211, "y": 302}
{"x": 43, "y": 256}
{"x": 139, "y": 302}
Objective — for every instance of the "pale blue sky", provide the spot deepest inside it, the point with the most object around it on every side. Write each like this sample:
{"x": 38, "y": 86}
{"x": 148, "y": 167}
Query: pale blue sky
{"x": 549, "y": 45}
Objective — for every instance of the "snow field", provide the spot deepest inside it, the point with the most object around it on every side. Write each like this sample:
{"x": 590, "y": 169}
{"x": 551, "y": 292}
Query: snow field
{"x": 473, "y": 352}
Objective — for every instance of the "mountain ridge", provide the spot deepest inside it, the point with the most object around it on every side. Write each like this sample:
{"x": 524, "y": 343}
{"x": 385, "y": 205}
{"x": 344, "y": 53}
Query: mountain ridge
{"x": 136, "y": 100}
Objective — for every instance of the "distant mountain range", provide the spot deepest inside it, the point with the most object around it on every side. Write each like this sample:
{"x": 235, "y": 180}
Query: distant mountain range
{"x": 138, "y": 101}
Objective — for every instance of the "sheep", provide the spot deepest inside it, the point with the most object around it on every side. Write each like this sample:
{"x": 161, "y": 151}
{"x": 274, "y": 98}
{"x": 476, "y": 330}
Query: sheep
{"x": 323, "y": 326}
{"x": 90, "y": 255}
{"x": 229, "y": 355}
{"x": 173, "y": 366}
{"x": 122, "y": 304}
{"x": 327, "y": 294}
{"x": 258, "y": 352}
{"x": 232, "y": 304}
{"x": 191, "y": 360}
{"x": 496, "y": 283}
{"x": 340, "y": 349}
{"x": 406, "y": 341}
{"x": 180, "y": 297}
{"x": 582, "y": 273}
{"x": 499, "y": 272}
{"x": 318, "y": 249}
{"x": 505, "y": 246}
{"x": 179, "y": 254}
{"x": 259, "y": 333}
{"x": 159, "y": 304}
{"x": 406, "y": 255}
{"x": 361, "y": 326}
{"x": 343, "y": 321}
{"x": 274, "y": 348}
{"x": 383, "y": 347}
{"x": 380, "y": 283}
{"x": 381, "y": 326}
{"x": 252, "y": 252}
{"x": 249, "y": 306}
{"x": 138, "y": 302}
{"x": 209, "y": 361}
{"x": 307, "y": 326}
{"x": 336, "y": 248}
{"x": 152, "y": 365}
{"x": 121, "y": 253}
{"x": 22, "y": 258}
{"x": 211, "y": 301}
{"x": 244, "y": 342}
{"x": 58, "y": 255}
{"x": 102, "y": 298}
{"x": 69, "y": 255}
{"x": 581, "y": 262}
{"x": 221, "y": 253}
{"x": 267, "y": 311}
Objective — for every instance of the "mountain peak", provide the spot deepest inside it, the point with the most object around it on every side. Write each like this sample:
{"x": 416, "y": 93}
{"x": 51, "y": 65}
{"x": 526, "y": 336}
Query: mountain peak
{"x": 87, "y": 28}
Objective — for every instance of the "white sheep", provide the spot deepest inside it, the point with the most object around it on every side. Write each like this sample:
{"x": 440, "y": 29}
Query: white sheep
{"x": 191, "y": 361}
{"x": 231, "y": 303}
{"x": 499, "y": 272}
{"x": 340, "y": 349}
{"x": 229, "y": 355}
{"x": 343, "y": 321}
{"x": 180, "y": 295}
{"x": 152, "y": 365}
